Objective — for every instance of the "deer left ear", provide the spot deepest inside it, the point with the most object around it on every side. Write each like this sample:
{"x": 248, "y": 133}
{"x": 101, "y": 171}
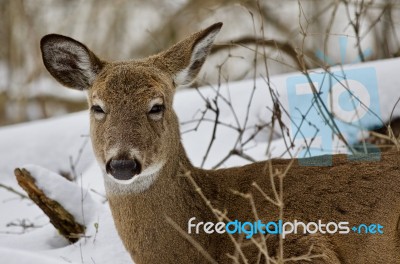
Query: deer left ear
{"x": 69, "y": 61}
{"x": 185, "y": 59}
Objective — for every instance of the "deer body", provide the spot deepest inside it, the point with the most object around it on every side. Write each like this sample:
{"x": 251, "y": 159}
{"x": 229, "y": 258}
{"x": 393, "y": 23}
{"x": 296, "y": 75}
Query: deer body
{"x": 149, "y": 178}
{"x": 368, "y": 195}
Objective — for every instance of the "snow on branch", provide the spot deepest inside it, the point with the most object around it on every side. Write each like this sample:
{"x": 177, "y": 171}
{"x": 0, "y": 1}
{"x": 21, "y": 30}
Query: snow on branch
{"x": 62, "y": 201}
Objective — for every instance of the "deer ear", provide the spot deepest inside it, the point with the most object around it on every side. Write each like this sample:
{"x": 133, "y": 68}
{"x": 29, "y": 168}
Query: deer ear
{"x": 184, "y": 59}
{"x": 69, "y": 61}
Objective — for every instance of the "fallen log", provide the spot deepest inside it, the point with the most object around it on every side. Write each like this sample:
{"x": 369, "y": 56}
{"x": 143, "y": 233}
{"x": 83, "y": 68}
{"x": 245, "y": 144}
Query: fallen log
{"x": 59, "y": 217}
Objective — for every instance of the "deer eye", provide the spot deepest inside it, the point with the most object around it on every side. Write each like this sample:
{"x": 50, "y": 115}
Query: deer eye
{"x": 97, "y": 109}
{"x": 157, "y": 109}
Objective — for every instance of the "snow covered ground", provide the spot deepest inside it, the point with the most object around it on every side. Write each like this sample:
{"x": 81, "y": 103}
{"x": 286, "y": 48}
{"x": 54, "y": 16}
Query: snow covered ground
{"x": 58, "y": 143}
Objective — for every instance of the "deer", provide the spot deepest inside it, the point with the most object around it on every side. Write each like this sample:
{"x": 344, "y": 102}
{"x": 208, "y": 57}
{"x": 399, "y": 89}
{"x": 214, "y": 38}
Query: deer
{"x": 155, "y": 192}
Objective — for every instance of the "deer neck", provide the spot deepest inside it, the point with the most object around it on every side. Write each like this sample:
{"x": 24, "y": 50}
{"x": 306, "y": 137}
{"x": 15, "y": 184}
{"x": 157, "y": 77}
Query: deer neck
{"x": 140, "y": 218}
{"x": 168, "y": 193}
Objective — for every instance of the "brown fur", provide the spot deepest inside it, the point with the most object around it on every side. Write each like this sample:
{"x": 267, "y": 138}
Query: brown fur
{"x": 357, "y": 192}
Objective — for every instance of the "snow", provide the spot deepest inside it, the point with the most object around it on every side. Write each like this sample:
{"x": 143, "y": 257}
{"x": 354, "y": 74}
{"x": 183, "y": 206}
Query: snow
{"x": 34, "y": 143}
{"x": 52, "y": 144}
{"x": 189, "y": 104}
{"x": 101, "y": 245}
{"x": 14, "y": 256}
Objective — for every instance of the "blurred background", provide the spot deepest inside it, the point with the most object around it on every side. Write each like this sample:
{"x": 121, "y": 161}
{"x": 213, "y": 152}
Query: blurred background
{"x": 325, "y": 33}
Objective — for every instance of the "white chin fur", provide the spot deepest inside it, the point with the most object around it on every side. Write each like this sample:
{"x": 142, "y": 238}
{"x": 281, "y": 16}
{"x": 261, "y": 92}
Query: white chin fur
{"x": 137, "y": 184}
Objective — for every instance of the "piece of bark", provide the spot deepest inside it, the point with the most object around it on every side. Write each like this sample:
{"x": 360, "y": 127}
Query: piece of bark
{"x": 61, "y": 219}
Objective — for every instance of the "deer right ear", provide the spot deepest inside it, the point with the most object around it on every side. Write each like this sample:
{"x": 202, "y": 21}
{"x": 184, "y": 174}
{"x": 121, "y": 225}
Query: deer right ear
{"x": 184, "y": 60}
{"x": 69, "y": 61}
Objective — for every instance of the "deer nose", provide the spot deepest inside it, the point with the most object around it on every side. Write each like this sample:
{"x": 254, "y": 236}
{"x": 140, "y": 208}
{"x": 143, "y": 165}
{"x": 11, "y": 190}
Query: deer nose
{"x": 123, "y": 169}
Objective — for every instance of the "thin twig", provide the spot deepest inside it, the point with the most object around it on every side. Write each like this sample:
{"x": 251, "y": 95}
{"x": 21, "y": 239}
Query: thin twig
{"x": 10, "y": 189}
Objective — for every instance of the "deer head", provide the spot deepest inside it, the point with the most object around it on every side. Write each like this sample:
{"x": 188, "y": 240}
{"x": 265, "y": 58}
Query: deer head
{"x": 133, "y": 127}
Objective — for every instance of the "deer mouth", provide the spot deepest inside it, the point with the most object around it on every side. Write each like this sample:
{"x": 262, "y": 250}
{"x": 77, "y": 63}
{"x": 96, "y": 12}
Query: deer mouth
{"x": 123, "y": 169}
